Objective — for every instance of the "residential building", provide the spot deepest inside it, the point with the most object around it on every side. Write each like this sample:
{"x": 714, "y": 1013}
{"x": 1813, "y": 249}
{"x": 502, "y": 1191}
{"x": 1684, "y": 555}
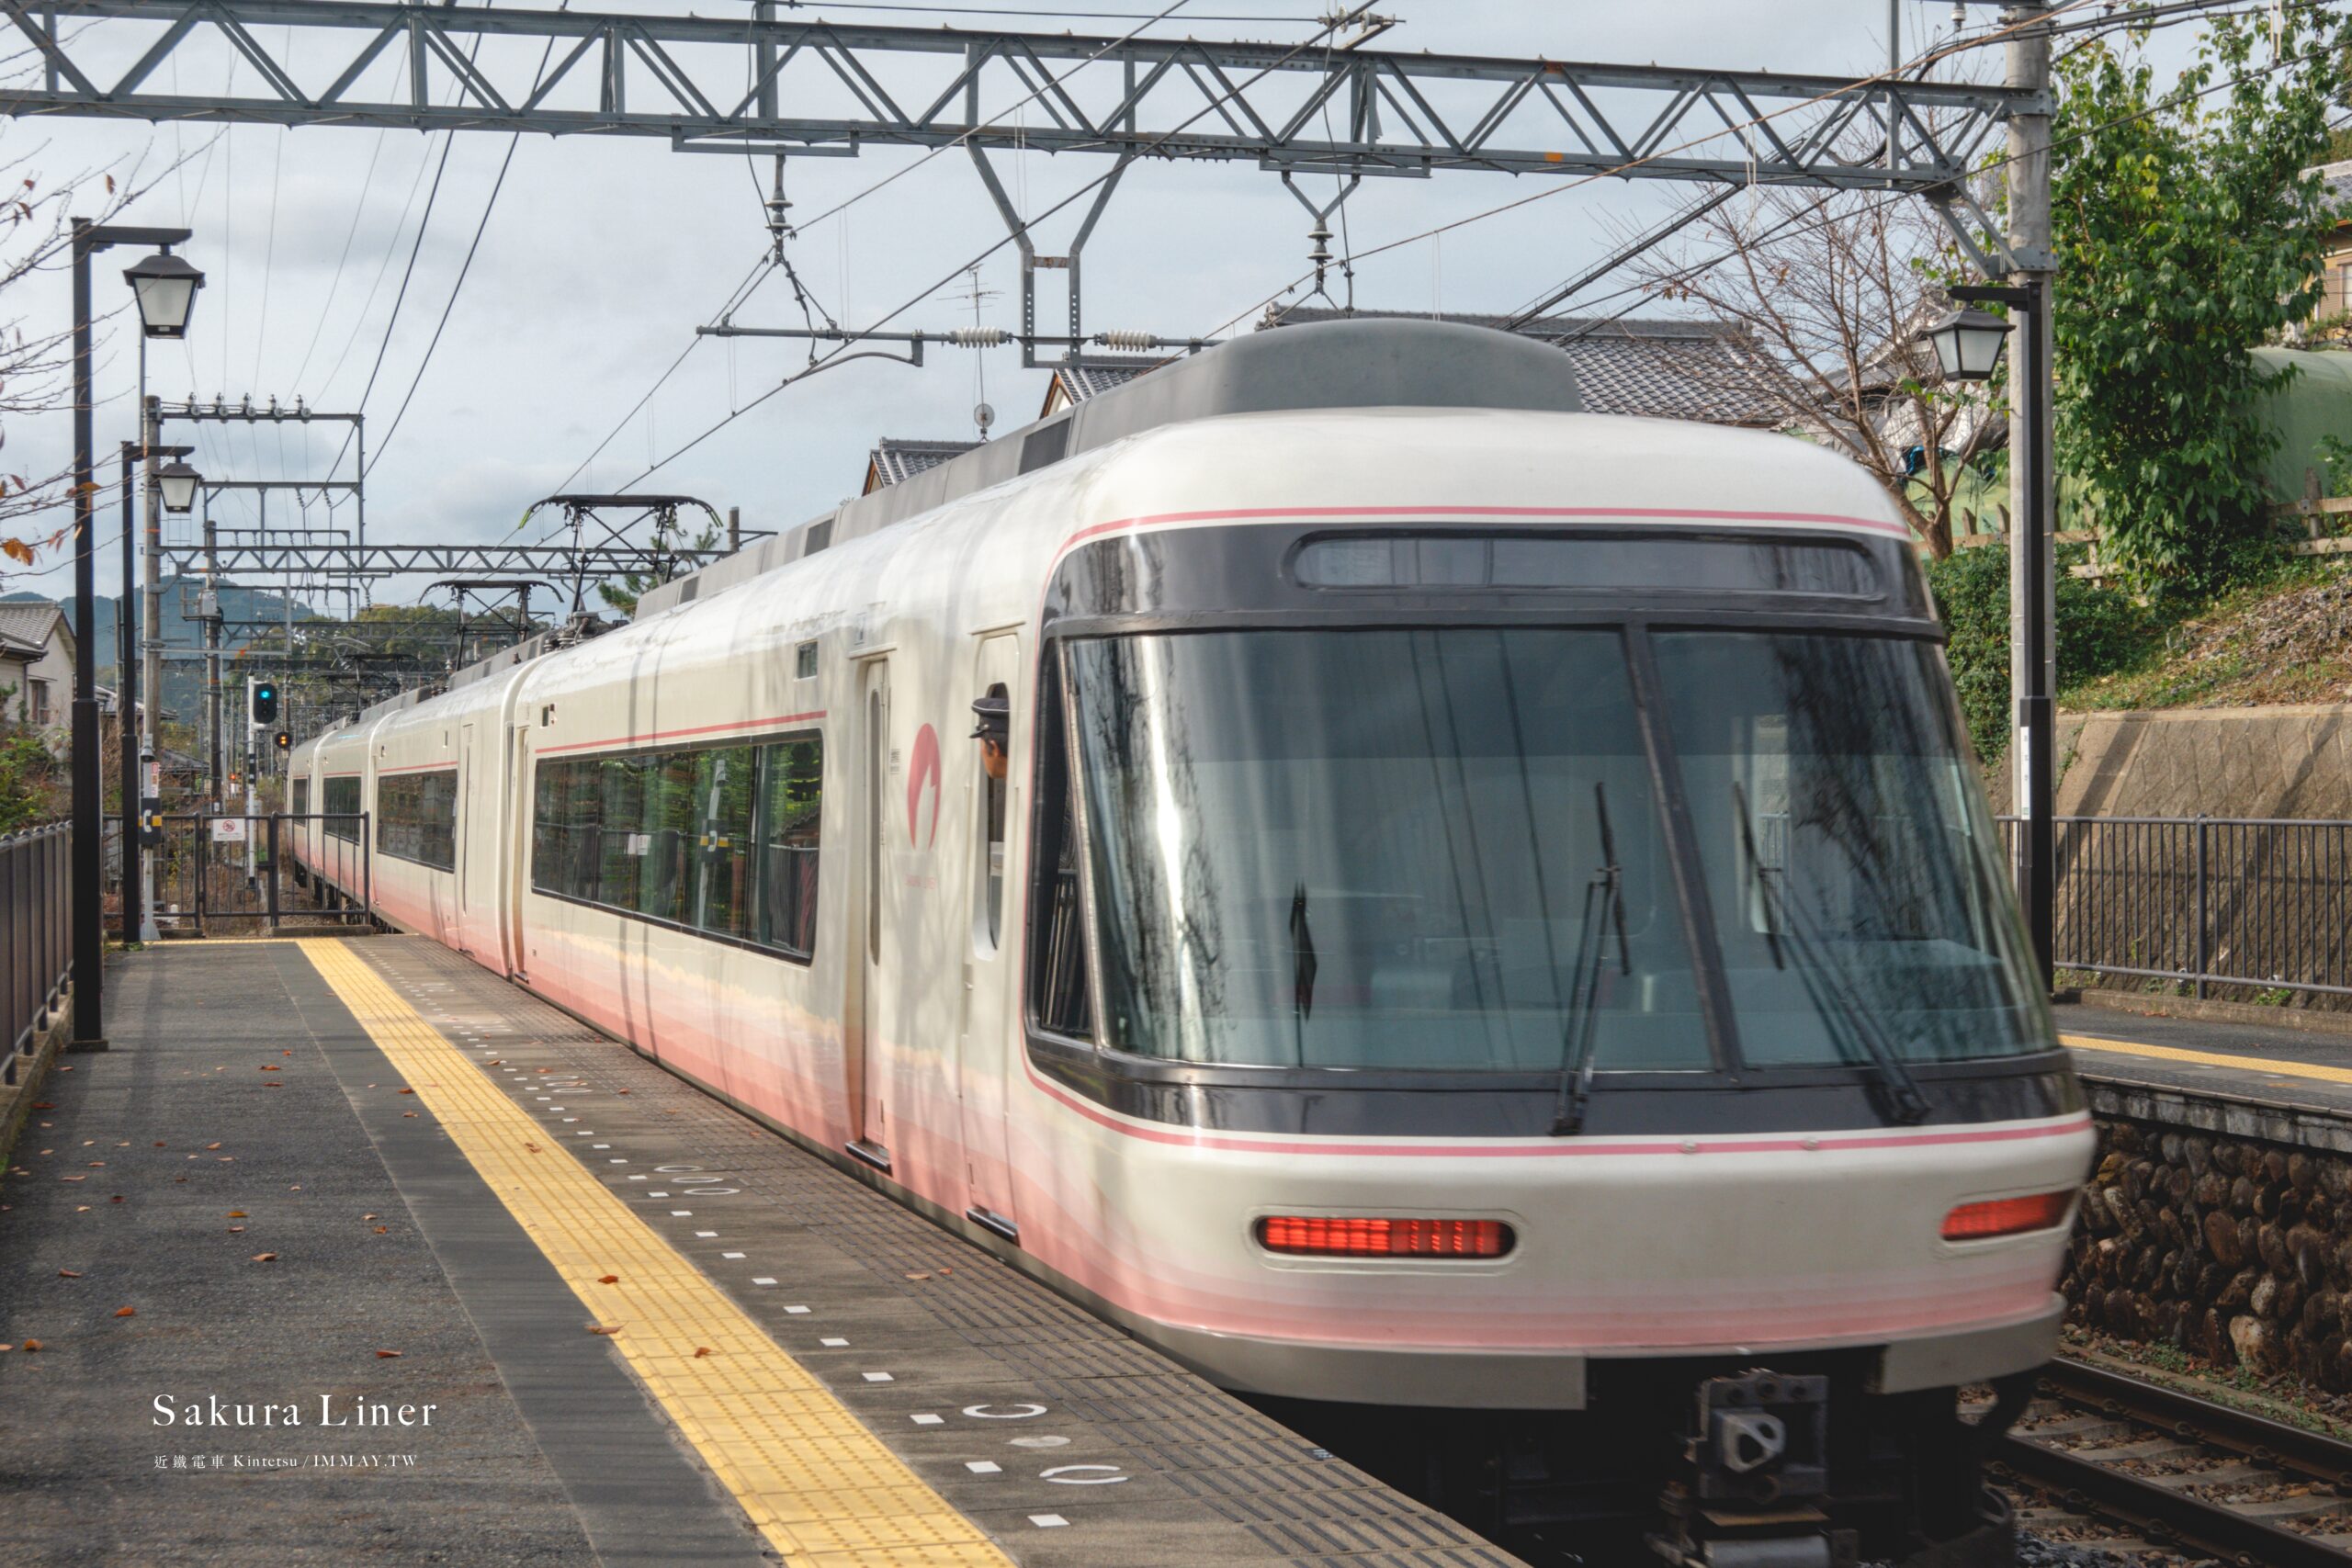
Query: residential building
{"x": 37, "y": 657}
{"x": 2335, "y": 272}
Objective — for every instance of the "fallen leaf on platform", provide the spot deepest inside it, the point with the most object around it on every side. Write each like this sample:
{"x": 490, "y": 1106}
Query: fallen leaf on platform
{"x": 600, "y": 1328}
{"x": 408, "y": 1091}
{"x": 6, "y": 1348}
{"x": 69, "y": 1273}
{"x": 97, "y": 1165}
{"x": 239, "y": 1215}
{"x": 29, "y": 1345}
{"x": 533, "y": 1147}
{"x": 228, "y": 1159}
{"x": 286, "y": 1053}
{"x": 116, "y": 1199}
{"x": 73, "y": 1178}
{"x": 126, "y": 1312}
{"x": 382, "y": 1229}
{"x": 296, "y": 1188}
{"x": 408, "y": 1113}
{"x": 608, "y": 1279}
{"x": 919, "y": 1276}
{"x": 159, "y": 1143}
{"x": 236, "y": 1229}
{"x": 366, "y": 1216}
{"x": 43, "y": 1105}
{"x": 265, "y": 1258}
{"x": 272, "y": 1068}
{"x": 211, "y": 1146}
{"x": 700, "y": 1351}
{"x": 947, "y": 1270}
{"x": 388, "y": 1355}
{"x": 81, "y": 1208}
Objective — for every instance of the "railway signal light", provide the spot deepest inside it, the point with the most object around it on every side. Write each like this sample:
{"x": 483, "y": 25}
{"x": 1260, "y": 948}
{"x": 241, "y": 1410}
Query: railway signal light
{"x": 284, "y": 740}
{"x": 265, "y": 701}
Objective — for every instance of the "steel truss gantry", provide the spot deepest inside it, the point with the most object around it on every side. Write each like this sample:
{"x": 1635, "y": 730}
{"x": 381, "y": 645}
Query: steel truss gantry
{"x": 535, "y": 562}
{"x": 816, "y": 87}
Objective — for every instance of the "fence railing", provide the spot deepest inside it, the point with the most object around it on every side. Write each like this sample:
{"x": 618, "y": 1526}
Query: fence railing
{"x": 2259, "y": 903}
{"x": 36, "y": 929}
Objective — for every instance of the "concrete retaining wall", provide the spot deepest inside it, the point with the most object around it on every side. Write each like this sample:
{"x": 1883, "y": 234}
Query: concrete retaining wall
{"x": 2293, "y": 760}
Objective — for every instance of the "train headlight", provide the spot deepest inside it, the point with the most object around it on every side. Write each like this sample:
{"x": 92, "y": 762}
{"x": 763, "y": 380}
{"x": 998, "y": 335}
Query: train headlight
{"x": 2007, "y": 1216}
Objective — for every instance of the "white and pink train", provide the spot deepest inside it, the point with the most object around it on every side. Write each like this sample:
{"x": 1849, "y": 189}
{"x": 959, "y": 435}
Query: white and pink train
{"x": 1489, "y": 909}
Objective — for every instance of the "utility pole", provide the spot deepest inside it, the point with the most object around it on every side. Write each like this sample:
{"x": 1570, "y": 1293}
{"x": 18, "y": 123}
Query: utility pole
{"x": 2033, "y": 681}
{"x": 151, "y": 627}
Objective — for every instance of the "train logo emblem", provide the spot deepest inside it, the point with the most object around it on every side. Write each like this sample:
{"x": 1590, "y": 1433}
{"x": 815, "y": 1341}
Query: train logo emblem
{"x": 922, "y": 779}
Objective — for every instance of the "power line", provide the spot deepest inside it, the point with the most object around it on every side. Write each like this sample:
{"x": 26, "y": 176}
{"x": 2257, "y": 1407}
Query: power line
{"x": 464, "y": 269}
{"x": 367, "y": 186}
{"x": 849, "y": 349}
{"x": 837, "y": 208}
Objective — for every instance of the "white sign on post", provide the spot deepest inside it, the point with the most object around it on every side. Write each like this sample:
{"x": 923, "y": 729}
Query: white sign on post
{"x": 228, "y": 829}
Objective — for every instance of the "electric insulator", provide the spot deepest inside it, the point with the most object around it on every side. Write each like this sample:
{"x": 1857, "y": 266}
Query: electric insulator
{"x": 1125, "y": 340}
{"x": 980, "y": 337}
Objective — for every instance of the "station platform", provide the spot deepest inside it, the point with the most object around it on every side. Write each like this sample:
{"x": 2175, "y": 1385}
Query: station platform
{"x": 2250, "y": 1079}
{"x": 349, "y": 1251}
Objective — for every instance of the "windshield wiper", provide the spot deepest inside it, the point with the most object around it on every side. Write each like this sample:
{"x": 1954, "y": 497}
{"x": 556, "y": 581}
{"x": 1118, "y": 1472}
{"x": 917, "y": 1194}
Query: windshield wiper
{"x": 1604, "y": 905}
{"x": 1824, "y": 981}
{"x": 1302, "y": 970}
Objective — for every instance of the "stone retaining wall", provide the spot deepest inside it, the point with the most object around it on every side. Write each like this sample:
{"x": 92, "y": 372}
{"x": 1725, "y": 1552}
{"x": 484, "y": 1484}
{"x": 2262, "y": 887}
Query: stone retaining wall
{"x": 2233, "y": 1248}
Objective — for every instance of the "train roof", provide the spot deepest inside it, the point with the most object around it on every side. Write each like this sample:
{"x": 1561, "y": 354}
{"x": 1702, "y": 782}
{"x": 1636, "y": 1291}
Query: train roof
{"x": 1356, "y": 363}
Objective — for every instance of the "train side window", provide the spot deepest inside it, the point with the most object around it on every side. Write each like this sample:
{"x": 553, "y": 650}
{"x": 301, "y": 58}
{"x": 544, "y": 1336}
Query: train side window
{"x": 1059, "y": 994}
{"x": 791, "y": 808}
{"x": 995, "y": 791}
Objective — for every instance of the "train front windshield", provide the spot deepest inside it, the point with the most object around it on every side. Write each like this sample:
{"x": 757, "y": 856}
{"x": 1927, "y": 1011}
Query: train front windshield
{"x": 1386, "y": 848}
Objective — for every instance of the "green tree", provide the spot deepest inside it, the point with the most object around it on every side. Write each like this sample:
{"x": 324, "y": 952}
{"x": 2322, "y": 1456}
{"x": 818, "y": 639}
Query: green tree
{"x": 2186, "y": 233}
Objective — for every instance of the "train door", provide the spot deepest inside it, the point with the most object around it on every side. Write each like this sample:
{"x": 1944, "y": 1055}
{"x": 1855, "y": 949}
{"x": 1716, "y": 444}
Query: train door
{"x": 986, "y": 1041}
{"x": 468, "y": 824}
{"x": 515, "y": 877}
{"x": 867, "y": 1038}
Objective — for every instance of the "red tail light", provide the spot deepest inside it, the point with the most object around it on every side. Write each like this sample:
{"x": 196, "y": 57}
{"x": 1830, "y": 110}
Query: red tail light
{"x": 2007, "y": 1216}
{"x": 1331, "y": 1236}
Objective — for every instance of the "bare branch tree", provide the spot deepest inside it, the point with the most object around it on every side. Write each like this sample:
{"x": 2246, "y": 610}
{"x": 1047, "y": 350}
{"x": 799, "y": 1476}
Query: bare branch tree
{"x": 37, "y": 357}
{"x": 1828, "y": 292}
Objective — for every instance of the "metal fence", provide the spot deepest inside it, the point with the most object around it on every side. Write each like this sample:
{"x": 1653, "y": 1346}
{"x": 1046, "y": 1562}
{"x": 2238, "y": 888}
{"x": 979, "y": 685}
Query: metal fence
{"x": 226, "y": 871}
{"x": 2251, "y": 905}
{"x": 36, "y": 929}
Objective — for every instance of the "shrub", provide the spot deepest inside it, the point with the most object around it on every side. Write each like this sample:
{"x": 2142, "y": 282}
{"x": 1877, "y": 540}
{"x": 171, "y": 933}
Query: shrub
{"x": 2100, "y": 630}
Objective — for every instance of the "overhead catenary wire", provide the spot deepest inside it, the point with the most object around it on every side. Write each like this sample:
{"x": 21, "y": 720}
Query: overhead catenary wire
{"x": 464, "y": 269}
{"x": 839, "y": 208}
{"x": 849, "y": 349}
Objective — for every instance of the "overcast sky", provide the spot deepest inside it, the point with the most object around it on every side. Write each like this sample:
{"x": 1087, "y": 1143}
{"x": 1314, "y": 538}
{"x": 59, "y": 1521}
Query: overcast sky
{"x": 601, "y": 256}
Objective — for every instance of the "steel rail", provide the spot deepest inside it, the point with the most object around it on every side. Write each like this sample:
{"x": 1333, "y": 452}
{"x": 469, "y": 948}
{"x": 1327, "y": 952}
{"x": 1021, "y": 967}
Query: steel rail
{"x": 2170, "y": 1516}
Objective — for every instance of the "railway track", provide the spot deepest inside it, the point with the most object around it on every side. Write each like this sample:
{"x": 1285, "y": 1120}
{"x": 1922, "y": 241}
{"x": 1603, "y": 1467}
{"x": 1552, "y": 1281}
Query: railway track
{"x": 2179, "y": 1474}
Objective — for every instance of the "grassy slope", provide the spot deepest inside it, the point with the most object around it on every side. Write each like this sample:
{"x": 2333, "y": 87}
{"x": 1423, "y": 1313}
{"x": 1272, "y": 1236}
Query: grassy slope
{"x": 2285, "y": 641}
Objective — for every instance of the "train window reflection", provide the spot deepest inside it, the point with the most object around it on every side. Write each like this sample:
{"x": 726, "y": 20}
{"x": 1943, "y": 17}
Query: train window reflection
{"x": 1503, "y": 562}
{"x": 1855, "y": 878}
{"x": 1371, "y": 850}
{"x": 721, "y": 840}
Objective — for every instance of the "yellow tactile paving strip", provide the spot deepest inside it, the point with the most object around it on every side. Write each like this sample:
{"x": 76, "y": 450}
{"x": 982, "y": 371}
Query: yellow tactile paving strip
{"x": 823, "y": 1490}
{"x": 2270, "y": 1065}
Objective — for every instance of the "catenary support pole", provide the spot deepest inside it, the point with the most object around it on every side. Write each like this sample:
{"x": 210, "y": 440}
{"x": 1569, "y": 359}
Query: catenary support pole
{"x": 90, "y": 932}
{"x": 2032, "y": 489}
{"x": 151, "y": 625}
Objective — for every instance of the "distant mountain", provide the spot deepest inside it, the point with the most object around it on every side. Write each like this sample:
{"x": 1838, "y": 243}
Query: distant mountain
{"x": 183, "y": 677}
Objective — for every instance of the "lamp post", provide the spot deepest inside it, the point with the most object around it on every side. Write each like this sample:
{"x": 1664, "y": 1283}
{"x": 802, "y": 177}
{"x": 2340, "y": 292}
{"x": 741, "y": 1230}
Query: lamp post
{"x": 164, "y": 293}
{"x": 132, "y": 776}
{"x": 1968, "y": 345}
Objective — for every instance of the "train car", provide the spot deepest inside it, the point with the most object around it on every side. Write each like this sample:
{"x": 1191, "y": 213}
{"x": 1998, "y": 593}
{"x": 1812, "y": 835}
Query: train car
{"x": 1486, "y": 912}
